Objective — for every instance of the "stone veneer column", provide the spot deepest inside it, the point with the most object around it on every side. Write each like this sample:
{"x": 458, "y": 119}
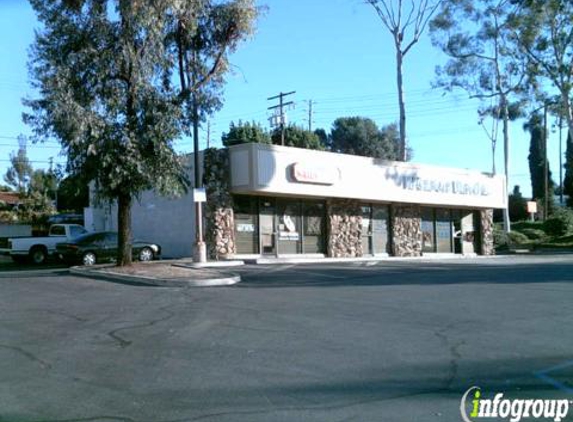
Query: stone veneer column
{"x": 486, "y": 227}
{"x": 344, "y": 228}
{"x": 406, "y": 230}
{"x": 219, "y": 216}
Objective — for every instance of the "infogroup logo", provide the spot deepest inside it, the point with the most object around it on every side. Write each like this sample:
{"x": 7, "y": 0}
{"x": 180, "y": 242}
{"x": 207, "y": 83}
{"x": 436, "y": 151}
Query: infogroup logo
{"x": 513, "y": 409}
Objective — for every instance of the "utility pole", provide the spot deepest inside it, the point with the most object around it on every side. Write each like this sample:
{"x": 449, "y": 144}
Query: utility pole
{"x": 200, "y": 246}
{"x": 280, "y": 106}
{"x": 545, "y": 169}
{"x": 310, "y": 115}
{"x": 208, "y": 133}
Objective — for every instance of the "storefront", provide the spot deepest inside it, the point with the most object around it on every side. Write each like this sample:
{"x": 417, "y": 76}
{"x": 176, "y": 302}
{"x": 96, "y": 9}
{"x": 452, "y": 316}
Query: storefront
{"x": 268, "y": 200}
{"x": 289, "y": 201}
{"x": 279, "y": 226}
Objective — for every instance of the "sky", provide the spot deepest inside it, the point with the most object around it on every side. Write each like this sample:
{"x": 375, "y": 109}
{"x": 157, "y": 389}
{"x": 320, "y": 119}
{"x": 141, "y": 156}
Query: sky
{"x": 335, "y": 53}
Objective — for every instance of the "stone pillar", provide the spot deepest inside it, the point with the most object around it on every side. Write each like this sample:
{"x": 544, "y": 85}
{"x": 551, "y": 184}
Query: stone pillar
{"x": 486, "y": 227}
{"x": 344, "y": 228}
{"x": 406, "y": 230}
{"x": 219, "y": 216}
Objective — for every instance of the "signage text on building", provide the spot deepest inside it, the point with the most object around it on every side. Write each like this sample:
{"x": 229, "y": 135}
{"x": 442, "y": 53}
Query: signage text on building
{"x": 318, "y": 175}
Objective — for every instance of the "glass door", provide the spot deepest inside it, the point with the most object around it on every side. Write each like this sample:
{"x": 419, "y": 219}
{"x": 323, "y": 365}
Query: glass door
{"x": 366, "y": 230}
{"x": 267, "y": 226}
{"x": 444, "y": 235}
{"x": 380, "y": 229}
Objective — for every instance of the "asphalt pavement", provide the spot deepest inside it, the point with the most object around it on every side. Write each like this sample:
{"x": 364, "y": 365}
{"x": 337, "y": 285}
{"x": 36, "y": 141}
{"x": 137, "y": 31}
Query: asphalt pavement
{"x": 388, "y": 341}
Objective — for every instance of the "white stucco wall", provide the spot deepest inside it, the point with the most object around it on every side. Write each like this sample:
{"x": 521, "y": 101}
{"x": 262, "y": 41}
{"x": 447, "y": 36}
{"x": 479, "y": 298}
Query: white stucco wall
{"x": 166, "y": 221}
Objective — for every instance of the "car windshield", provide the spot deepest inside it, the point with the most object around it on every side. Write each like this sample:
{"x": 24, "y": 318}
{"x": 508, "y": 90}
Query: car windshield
{"x": 89, "y": 238}
{"x": 76, "y": 231}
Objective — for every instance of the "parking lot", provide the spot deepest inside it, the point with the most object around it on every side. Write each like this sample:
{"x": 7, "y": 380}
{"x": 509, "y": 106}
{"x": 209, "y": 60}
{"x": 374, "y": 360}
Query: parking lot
{"x": 389, "y": 341}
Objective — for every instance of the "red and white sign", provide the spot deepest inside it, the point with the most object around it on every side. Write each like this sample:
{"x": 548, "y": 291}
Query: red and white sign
{"x": 314, "y": 174}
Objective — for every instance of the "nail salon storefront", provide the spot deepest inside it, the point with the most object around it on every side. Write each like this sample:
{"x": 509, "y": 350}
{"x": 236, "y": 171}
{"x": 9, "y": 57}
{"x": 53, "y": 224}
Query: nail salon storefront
{"x": 289, "y": 201}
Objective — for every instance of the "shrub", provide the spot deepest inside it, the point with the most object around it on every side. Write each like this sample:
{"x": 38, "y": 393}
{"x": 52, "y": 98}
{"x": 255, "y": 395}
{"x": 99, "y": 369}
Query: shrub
{"x": 516, "y": 237}
{"x": 500, "y": 238}
{"x": 560, "y": 223}
{"x": 534, "y": 234}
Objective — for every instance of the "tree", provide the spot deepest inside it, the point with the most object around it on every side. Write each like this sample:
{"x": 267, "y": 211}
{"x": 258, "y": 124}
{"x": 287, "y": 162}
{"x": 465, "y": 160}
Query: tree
{"x": 100, "y": 68}
{"x": 476, "y": 35}
{"x": 20, "y": 171}
{"x": 73, "y": 194}
{"x": 406, "y": 25}
{"x": 543, "y": 32}
{"x": 204, "y": 33}
{"x": 322, "y": 135}
{"x": 202, "y": 37}
{"x": 243, "y": 133}
{"x": 568, "y": 180}
{"x": 517, "y": 205}
{"x": 536, "y": 160}
{"x": 361, "y": 136}
{"x": 297, "y": 137}
{"x": 42, "y": 190}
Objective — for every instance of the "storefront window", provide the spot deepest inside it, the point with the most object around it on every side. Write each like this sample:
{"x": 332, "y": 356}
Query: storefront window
{"x": 246, "y": 223}
{"x": 313, "y": 227}
{"x": 428, "y": 244}
{"x": 288, "y": 214}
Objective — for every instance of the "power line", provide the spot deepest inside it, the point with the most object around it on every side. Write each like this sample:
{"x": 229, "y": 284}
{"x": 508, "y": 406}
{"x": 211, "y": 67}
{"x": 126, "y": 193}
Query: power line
{"x": 281, "y": 114}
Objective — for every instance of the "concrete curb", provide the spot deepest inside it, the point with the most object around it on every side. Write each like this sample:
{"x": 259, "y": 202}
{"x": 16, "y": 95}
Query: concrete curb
{"x": 302, "y": 260}
{"x": 227, "y": 280}
{"x": 211, "y": 264}
{"x": 44, "y": 272}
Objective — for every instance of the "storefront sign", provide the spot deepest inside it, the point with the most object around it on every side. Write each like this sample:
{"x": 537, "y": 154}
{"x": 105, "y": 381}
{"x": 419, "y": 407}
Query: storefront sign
{"x": 246, "y": 228}
{"x": 458, "y": 187}
{"x": 318, "y": 175}
{"x": 199, "y": 195}
{"x": 289, "y": 235}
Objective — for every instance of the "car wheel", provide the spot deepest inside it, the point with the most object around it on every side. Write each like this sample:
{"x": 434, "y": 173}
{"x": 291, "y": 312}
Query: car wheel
{"x": 146, "y": 254}
{"x": 38, "y": 255}
{"x": 89, "y": 258}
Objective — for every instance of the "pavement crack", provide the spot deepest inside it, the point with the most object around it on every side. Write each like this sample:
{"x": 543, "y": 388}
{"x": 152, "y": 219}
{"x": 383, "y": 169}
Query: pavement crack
{"x": 65, "y": 314}
{"x": 454, "y": 352}
{"x": 27, "y": 354}
{"x": 123, "y": 342}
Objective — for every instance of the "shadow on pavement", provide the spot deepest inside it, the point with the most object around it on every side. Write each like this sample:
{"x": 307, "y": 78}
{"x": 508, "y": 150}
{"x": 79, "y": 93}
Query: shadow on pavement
{"x": 416, "y": 274}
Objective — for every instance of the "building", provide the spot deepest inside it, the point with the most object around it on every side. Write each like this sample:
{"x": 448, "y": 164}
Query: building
{"x": 269, "y": 200}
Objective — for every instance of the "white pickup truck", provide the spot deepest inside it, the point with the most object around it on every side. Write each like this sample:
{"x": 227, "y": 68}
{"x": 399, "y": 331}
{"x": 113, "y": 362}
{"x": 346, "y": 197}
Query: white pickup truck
{"x": 38, "y": 249}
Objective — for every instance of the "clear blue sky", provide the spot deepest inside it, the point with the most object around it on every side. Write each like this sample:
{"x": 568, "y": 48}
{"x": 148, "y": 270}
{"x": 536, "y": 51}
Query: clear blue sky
{"x": 333, "y": 52}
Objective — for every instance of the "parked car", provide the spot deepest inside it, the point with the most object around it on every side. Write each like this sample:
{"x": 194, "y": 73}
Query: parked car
{"x": 39, "y": 249}
{"x": 93, "y": 248}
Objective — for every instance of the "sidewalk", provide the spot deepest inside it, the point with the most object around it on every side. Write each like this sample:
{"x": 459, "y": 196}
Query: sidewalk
{"x": 160, "y": 273}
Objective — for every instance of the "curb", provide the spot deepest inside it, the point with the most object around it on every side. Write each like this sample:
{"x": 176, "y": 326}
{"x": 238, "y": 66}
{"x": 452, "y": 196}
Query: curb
{"x": 44, "y": 272}
{"x": 209, "y": 264}
{"x": 423, "y": 258}
{"x": 137, "y": 280}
